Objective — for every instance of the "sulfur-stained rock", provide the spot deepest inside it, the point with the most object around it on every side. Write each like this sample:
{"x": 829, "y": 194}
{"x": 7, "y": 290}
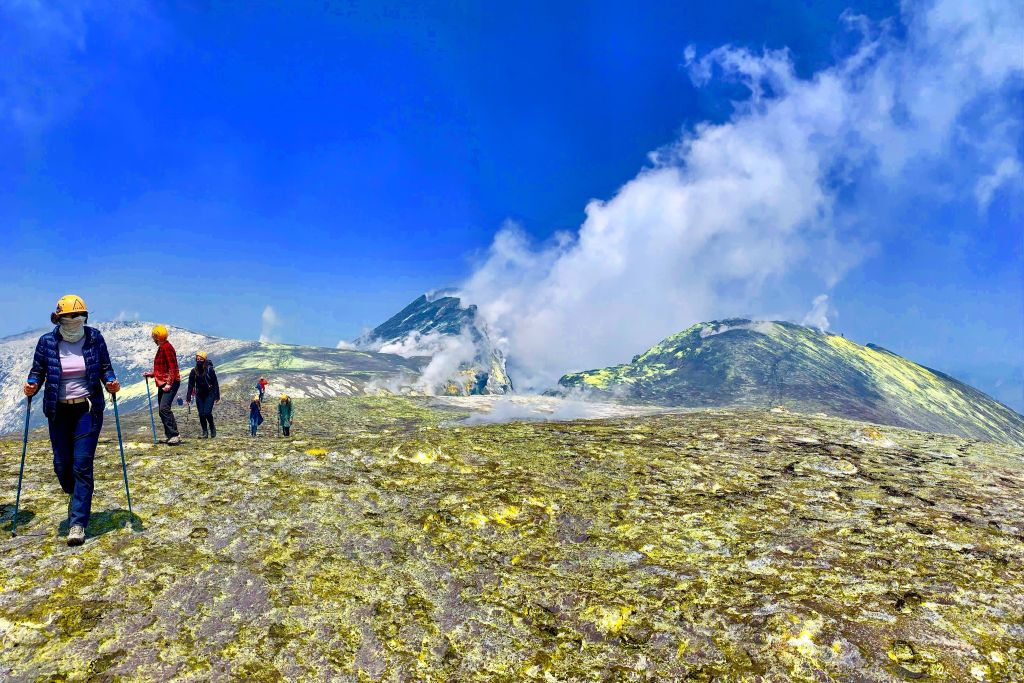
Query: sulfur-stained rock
{"x": 390, "y": 542}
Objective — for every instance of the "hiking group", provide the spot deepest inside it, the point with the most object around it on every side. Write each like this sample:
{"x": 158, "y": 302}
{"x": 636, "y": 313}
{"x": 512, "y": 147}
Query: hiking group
{"x": 73, "y": 363}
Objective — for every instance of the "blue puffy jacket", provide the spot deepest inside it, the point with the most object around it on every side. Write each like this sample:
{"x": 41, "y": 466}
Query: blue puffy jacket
{"x": 46, "y": 368}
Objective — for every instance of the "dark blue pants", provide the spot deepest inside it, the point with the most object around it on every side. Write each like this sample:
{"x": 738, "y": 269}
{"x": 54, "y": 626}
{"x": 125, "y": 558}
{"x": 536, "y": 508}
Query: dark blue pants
{"x": 73, "y": 435}
{"x": 204, "y": 406}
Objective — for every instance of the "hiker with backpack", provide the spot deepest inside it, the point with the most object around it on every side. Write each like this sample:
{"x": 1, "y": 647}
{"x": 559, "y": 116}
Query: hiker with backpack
{"x": 203, "y": 386}
{"x": 167, "y": 378}
{"x": 73, "y": 361}
{"x": 261, "y": 386}
{"x": 284, "y": 414}
{"x": 255, "y": 416}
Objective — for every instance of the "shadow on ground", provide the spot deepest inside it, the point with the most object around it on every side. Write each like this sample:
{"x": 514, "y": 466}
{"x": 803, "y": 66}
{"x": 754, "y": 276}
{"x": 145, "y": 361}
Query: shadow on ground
{"x": 7, "y": 517}
{"x": 104, "y": 522}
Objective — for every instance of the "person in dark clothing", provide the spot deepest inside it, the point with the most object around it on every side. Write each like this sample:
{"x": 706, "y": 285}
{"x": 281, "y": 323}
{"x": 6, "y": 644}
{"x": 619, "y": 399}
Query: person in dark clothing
{"x": 168, "y": 380}
{"x": 202, "y": 384}
{"x": 284, "y": 414}
{"x": 73, "y": 362}
{"x": 255, "y": 416}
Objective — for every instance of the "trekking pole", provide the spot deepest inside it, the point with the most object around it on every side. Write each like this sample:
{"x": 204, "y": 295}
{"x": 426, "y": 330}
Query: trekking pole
{"x": 21, "y": 472}
{"x": 124, "y": 466}
{"x": 151, "y": 420}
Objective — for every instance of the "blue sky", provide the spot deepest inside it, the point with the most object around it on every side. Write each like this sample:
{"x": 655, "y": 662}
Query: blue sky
{"x": 195, "y": 162}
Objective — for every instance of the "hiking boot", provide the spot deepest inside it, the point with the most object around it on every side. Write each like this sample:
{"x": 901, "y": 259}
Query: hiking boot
{"x": 174, "y": 440}
{"x": 213, "y": 433}
{"x": 76, "y": 536}
{"x": 206, "y": 435}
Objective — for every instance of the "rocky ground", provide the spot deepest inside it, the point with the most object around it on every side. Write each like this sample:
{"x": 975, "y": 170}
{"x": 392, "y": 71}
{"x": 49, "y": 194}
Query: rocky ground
{"x": 385, "y": 541}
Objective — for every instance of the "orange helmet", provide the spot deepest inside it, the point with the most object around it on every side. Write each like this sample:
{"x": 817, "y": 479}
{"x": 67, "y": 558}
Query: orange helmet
{"x": 69, "y": 303}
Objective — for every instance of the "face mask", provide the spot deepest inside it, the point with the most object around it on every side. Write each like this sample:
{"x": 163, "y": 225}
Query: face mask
{"x": 72, "y": 329}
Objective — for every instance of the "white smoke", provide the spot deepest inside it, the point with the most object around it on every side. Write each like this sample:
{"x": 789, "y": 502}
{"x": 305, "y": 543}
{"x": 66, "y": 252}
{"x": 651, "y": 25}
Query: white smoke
{"x": 452, "y": 353}
{"x": 818, "y": 315}
{"x": 762, "y": 326}
{"x": 127, "y": 316}
{"x": 270, "y": 321}
{"x": 448, "y": 353}
{"x": 786, "y": 190}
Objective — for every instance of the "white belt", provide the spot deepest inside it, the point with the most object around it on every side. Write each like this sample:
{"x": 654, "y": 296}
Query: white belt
{"x": 73, "y": 401}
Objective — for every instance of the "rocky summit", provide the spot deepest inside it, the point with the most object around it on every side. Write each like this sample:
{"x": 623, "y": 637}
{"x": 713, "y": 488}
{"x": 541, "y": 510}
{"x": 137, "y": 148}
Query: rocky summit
{"x": 464, "y": 359}
{"x": 760, "y": 364}
{"x": 390, "y": 541}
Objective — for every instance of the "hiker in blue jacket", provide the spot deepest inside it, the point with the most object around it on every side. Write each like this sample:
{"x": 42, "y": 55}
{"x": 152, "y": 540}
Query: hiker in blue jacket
{"x": 255, "y": 416}
{"x": 73, "y": 362}
{"x": 202, "y": 384}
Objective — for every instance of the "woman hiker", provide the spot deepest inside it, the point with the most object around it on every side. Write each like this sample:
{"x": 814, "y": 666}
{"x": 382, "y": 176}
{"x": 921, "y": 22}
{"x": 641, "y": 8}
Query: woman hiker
{"x": 255, "y": 417}
{"x": 73, "y": 362}
{"x": 167, "y": 378}
{"x": 284, "y": 414}
{"x": 202, "y": 384}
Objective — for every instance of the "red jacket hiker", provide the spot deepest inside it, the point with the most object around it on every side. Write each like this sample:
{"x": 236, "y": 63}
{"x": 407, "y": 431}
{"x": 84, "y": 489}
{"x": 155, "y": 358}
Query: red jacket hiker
{"x": 165, "y": 365}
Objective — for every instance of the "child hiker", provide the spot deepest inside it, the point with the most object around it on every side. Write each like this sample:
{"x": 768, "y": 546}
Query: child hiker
{"x": 284, "y": 414}
{"x": 255, "y": 417}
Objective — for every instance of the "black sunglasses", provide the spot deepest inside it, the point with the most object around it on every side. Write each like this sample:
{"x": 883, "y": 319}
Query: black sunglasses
{"x": 75, "y": 315}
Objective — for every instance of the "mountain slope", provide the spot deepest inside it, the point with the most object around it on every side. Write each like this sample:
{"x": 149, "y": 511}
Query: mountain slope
{"x": 463, "y": 356}
{"x": 759, "y": 364}
{"x": 295, "y": 370}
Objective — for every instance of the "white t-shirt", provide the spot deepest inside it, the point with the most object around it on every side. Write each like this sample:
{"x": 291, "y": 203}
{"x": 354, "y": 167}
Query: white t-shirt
{"x": 73, "y": 383}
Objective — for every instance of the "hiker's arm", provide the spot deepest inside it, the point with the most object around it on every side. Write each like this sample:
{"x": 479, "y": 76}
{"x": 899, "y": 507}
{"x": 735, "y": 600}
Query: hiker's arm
{"x": 37, "y": 375}
{"x": 106, "y": 367}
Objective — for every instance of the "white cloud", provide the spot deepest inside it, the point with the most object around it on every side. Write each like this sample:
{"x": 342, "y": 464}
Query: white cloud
{"x": 270, "y": 321}
{"x": 791, "y": 189}
{"x": 818, "y": 315}
{"x": 48, "y": 58}
{"x": 1007, "y": 172}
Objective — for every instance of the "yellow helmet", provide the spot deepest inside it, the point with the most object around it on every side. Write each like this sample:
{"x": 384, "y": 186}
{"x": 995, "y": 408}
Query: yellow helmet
{"x": 201, "y": 355}
{"x": 69, "y": 303}
{"x": 284, "y": 397}
{"x": 160, "y": 333}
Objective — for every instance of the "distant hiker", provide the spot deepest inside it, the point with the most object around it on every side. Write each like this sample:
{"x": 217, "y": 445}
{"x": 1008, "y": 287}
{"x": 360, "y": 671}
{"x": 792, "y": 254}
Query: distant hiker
{"x": 261, "y": 386}
{"x": 168, "y": 380}
{"x": 202, "y": 384}
{"x": 255, "y": 417}
{"x": 74, "y": 363}
{"x": 284, "y": 414}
